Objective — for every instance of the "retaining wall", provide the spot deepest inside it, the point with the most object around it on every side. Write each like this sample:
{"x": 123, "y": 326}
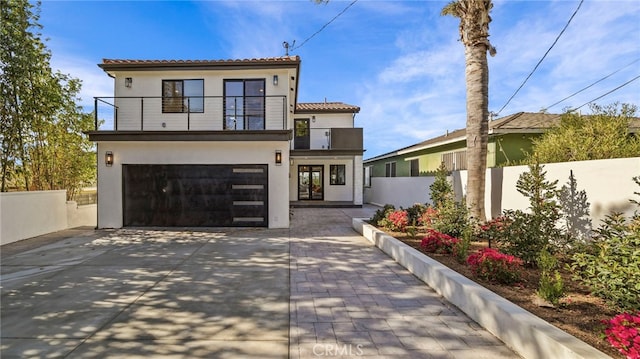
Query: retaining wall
{"x": 30, "y": 214}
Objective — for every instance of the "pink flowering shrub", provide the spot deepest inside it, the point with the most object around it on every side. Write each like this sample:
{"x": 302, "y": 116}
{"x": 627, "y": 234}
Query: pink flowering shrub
{"x": 623, "y": 333}
{"x": 427, "y": 217}
{"x": 398, "y": 220}
{"x": 492, "y": 265}
{"x": 436, "y": 242}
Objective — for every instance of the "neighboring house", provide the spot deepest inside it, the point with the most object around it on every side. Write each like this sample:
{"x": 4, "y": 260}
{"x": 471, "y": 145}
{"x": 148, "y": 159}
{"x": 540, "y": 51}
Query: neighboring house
{"x": 219, "y": 143}
{"x": 510, "y": 138}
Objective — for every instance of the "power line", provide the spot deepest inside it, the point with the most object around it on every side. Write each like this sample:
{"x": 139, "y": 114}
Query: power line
{"x": 325, "y": 25}
{"x": 602, "y": 79}
{"x": 543, "y": 57}
{"x": 615, "y": 89}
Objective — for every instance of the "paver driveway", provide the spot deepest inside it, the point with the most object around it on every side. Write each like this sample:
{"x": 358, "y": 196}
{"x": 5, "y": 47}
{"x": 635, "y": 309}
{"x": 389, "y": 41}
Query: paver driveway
{"x": 315, "y": 290}
{"x": 349, "y": 299}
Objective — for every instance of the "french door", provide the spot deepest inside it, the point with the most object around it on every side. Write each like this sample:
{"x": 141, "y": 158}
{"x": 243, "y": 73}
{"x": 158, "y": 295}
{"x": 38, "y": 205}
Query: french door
{"x": 310, "y": 182}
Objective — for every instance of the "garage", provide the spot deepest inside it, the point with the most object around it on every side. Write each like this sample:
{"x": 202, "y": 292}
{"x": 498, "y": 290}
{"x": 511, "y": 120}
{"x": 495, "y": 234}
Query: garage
{"x": 195, "y": 195}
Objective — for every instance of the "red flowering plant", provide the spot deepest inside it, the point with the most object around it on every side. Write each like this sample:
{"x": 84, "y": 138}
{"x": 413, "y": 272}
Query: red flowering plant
{"x": 436, "y": 242}
{"x": 398, "y": 220}
{"x": 492, "y": 265}
{"x": 623, "y": 333}
{"x": 427, "y": 217}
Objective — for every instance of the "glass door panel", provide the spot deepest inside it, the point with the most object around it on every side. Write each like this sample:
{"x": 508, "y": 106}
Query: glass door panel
{"x": 310, "y": 183}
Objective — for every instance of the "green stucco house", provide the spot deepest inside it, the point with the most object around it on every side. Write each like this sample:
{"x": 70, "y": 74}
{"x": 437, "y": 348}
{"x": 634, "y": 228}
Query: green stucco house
{"x": 509, "y": 140}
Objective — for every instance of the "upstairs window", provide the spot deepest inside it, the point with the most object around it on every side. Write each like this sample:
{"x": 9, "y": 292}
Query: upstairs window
{"x": 390, "y": 169}
{"x": 244, "y": 104}
{"x": 179, "y": 96}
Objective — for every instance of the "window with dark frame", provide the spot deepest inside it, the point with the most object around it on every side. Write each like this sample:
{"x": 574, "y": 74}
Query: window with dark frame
{"x": 244, "y": 104}
{"x": 415, "y": 168}
{"x": 337, "y": 174}
{"x": 180, "y": 96}
{"x": 390, "y": 169}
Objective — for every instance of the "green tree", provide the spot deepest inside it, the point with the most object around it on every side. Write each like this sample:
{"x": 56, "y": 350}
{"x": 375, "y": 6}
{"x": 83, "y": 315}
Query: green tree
{"x": 602, "y": 135}
{"x": 43, "y": 145}
{"x": 474, "y": 35}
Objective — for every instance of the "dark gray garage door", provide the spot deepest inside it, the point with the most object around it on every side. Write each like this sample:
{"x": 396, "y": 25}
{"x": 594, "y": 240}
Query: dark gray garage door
{"x": 195, "y": 195}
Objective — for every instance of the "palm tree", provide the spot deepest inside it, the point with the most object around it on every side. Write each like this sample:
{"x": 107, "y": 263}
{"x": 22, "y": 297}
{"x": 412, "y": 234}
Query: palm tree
{"x": 474, "y": 34}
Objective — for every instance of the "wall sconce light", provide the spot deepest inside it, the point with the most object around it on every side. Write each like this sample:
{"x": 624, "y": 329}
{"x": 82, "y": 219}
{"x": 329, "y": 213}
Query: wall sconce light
{"x": 278, "y": 157}
{"x": 108, "y": 158}
{"x": 128, "y": 81}
{"x": 275, "y": 80}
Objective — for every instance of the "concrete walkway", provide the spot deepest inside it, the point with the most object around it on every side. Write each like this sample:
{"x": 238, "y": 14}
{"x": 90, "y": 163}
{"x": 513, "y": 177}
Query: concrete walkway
{"x": 315, "y": 290}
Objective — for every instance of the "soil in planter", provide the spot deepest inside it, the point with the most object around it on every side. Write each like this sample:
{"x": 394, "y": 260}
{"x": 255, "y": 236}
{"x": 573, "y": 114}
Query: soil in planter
{"x": 579, "y": 313}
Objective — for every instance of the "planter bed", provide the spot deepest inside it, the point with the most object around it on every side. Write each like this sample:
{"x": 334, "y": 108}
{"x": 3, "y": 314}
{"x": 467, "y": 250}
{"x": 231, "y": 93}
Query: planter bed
{"x": 525, "y": 333}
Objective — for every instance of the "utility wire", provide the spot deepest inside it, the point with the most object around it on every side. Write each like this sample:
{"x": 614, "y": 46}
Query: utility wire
{"x": 615, "y": 89}
{"x": 325, "y": 25}
{"x": 602, "y": 79}
{"x": 543, "y": 57}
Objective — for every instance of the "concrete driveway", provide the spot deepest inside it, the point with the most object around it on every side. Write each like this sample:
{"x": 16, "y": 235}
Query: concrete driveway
{"x": 149, "y": 293}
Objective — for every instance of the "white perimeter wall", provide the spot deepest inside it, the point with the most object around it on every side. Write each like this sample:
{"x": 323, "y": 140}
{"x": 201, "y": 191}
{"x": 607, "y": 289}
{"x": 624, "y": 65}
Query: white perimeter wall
{"x": 30, "y": 214}
{"x": 398, "y": 191}
{"x": 231, "y": 152}
{"x": 608, "y": 184}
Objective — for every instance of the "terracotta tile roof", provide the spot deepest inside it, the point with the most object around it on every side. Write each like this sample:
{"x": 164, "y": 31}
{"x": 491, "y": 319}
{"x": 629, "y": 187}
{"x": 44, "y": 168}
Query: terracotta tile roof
{"x": 113, "y": 64}
{"x": 330, "y": 107}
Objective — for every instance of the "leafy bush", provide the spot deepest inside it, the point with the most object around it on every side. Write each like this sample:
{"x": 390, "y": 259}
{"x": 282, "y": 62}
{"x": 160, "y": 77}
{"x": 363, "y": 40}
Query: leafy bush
{"x": 398, "y": 220}
{"x": 610, "y": 265}
{"x": 623, "y": 333}
{"x": 452, "y": 218}
{"x": 437, "y": 242}
{"x": 527, "y": 234}
{"x": 415, "y": 213}
{"x": 441, "y": 189}
{"x": 492, "y": 265}
{"x": 493, "y": 230}
{"x": 551, "y": 287}
{"x": 381, "y": 214}
{"x": 428, "y": 217}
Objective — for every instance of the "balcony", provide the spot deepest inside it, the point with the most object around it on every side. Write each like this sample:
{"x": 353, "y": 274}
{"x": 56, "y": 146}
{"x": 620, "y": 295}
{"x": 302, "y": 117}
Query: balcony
{"x": 204, "y": 113}
{"x": 328, "y": 141}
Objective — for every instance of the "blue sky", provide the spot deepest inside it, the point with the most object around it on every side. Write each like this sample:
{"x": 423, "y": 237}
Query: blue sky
{"x": 400, "y": 61}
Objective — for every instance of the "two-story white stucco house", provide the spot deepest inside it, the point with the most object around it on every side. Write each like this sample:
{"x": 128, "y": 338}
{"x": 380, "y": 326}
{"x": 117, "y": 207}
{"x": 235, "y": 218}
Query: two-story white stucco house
{"x": 219, "y": 143}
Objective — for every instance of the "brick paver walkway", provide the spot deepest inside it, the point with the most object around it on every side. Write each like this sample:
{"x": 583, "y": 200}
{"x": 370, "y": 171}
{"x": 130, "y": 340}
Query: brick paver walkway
{"x": 348, "y": 299}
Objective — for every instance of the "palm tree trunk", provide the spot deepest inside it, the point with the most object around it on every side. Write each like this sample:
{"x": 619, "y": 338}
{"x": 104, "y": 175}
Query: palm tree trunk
{"x": 477, "y": 81}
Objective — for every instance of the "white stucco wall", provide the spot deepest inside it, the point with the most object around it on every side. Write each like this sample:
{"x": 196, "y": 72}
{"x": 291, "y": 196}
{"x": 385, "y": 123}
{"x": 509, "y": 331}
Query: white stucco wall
{"x": 30, "y": 214}
{"x": 110, "y": 210}
{"x": 398, "y": 191}
{"x": 608, "y": 184}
